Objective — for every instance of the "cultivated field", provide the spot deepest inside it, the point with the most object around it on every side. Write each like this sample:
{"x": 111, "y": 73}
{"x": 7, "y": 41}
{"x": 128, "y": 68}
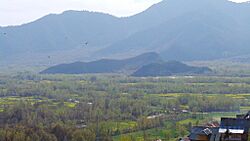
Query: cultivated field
{"x": 115, "y": 107}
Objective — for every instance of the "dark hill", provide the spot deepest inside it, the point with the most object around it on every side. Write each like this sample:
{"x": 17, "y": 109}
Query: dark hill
{"x": 105, "y": 65}
{"x": 170, "y": 68}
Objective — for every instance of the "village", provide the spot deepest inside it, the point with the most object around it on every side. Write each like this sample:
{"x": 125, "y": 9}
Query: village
{"x": 230, "y": 129}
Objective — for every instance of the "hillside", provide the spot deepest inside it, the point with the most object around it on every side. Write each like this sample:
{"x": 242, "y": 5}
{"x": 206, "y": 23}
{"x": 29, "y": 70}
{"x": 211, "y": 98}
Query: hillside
{"x": 105, "y": 65}
{"x": 198, "y": 30}
{"x": 148, "y": 64}
{"x": 169, "y": 68}
{"x": 59, "y": 36}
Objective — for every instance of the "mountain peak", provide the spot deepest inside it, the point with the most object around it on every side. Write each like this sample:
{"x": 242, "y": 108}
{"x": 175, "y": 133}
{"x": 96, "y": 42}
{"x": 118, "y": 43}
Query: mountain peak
{"x": 177, "y": 29}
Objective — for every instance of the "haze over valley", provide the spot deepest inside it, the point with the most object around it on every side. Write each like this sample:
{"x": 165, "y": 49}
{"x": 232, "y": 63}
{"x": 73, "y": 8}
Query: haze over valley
{"x": 197, "y": 31}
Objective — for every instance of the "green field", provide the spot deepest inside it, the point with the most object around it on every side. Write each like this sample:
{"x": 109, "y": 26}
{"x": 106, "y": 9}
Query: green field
{"x": 117, "y": 107}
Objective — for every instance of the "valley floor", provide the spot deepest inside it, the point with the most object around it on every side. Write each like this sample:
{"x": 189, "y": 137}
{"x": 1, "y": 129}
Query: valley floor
{"x": 115, "y": 107}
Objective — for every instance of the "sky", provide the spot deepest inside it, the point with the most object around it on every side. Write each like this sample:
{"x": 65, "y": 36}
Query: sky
{"x": 17, "y": 12}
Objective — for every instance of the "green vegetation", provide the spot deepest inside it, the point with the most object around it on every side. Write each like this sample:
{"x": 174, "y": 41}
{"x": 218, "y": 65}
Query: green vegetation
{"x": 114, "y": 107}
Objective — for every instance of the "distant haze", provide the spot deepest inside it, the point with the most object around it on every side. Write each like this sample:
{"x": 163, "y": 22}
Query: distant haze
{"x": 182, "y": 30}
{"x": 16, "y": 12}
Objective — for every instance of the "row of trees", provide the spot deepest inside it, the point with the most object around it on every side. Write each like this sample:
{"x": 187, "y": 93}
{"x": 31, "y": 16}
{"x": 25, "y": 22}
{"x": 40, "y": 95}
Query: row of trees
{"x": 210, "y": 103}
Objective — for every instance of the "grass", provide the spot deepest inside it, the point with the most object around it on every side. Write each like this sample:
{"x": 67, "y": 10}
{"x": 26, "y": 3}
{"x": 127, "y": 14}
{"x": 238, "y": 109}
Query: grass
{"x": 122, "y": 125}
{"x": 151, "y": 134}
{"x": 174, "y": 95}
{"x": 218, "y": 115}
{"x": 70, "y": 104}
{"x": 189, "y": 120}
{"x": 155, "y": 133}
{"x": 245, "y": 109}
{"x": 160, "y": 133}
{"x": 11, "y": 100}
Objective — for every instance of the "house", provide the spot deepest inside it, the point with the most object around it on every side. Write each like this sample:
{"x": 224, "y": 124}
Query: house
{"x": 230, "y": 129}
{"x": 202, "y": 133}
{"x": 234, "y": 129}
{"x": 213, "y": 124}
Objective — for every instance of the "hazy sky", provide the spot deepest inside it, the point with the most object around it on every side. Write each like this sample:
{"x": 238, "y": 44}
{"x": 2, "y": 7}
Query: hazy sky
{"x": 15, "y": 12}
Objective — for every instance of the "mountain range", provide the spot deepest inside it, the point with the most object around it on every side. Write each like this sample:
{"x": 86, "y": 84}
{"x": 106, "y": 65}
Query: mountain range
{"x": 183, "y": 30}
{"x": 147, "y": 64}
